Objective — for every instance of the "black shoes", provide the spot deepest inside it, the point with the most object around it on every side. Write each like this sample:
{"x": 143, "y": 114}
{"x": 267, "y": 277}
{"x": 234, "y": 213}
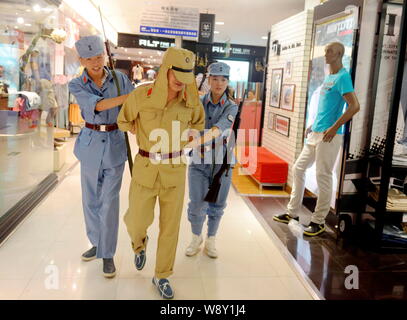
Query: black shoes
{"x": 314, "y": 229}
{"x": 109, "y": 270}
{"x": 89, "y": 255}
{"x": 285, "y": 218}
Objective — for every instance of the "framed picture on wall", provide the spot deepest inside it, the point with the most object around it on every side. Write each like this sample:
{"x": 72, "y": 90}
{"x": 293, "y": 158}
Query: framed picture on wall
{"x": 288, "y": 97}
{"x": 271, "y": 123}
{"x": 288, "y": 68}
{"x": 275, "y": 91}
{"x": 282, "y": 125}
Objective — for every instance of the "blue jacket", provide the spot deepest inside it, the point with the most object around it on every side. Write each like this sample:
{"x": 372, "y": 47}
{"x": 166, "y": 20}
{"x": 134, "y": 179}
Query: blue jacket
{"x": 97, "y": 149}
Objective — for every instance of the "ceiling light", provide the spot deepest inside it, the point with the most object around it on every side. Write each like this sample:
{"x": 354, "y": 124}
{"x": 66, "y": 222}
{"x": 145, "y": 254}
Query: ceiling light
{"x": 125, "y": 50}
{"x": 159, "y": 53}
{"x": 140, "y": 52}
{"x": 28, "y": 10}
{"x": 216, "y": 32}
{"x": 37, "y": 8}
{"x": 151, "y": 56}
{"x": 264, "y": 37}
{"x": 28, "y": 24}
{"x": 20, "y": 20}
{"x": 220, "y": 23}
{"x": 128, "y": 58}
{"x": 15, "y": 27}
{"x": 142, "y": 59}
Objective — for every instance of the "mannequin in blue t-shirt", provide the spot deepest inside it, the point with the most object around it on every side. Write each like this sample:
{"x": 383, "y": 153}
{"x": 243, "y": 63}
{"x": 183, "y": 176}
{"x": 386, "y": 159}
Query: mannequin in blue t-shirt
{"x": 324, "y": 139}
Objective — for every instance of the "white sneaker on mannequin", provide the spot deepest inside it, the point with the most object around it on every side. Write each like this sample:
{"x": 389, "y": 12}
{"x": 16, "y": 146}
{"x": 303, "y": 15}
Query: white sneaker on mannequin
{"x": 210, "y": 248}
{"x": 194, "y": 246}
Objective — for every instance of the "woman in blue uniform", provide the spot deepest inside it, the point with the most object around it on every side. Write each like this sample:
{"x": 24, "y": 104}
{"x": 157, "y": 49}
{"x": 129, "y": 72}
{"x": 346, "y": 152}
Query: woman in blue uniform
{"x": 100, "y": 148}
{"x": 220, "y": 112}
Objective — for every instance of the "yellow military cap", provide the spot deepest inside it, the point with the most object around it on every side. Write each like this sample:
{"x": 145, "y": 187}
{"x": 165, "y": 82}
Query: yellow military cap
{"x": 182, "y": 62}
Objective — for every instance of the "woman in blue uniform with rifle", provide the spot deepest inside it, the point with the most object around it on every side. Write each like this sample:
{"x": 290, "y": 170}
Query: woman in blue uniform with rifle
{"x": 220, "y": 113}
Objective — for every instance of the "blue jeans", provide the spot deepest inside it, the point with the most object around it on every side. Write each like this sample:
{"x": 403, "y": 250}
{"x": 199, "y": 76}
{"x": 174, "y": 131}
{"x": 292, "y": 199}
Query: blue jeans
{"x": 199, "y": 179}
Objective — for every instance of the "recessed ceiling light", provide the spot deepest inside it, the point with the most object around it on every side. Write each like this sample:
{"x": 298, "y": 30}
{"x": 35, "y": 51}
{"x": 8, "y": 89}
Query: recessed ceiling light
{"x": 216, "y": 32}
{"x": 125, "y": 50}
{"x": 28, "y": 24}
{"x": 219, "y": 23}
{"x": 151, "y": 56}
{"x": 20, "y": 20}
{"x": 264, "y": 37}
{"x": 128, "y": 58}
{"x": 15, "y": 27}
{"x": 140, "y": 52}
{"x": 142, "y": 59}
{"x": 28, "y": 10}
{"x": 37, "y": 8}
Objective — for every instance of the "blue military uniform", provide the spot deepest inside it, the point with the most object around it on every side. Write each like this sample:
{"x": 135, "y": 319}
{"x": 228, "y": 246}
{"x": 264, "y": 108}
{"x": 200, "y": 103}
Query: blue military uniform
{"x": 102, "y": 154}
{"x": 201, "y": 173}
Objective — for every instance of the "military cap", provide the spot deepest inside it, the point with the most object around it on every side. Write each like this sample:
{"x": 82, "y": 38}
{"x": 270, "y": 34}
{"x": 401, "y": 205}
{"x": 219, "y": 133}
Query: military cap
{"x": 182, "y": 62}
{"x": 89, "y": 46}
{"x": 219, "y": 69}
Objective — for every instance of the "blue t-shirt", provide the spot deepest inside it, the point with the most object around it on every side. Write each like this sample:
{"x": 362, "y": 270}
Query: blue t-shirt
{"x": 331, "y": 102}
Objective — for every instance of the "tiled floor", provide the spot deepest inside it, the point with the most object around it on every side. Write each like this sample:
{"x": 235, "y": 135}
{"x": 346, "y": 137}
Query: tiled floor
{"x": 41, "y": 260}
{"x": 382, "y": 275}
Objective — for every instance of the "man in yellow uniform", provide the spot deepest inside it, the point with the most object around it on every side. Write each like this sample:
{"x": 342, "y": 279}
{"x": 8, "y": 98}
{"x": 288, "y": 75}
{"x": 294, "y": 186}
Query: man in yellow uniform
{"x": 161, "y": 112}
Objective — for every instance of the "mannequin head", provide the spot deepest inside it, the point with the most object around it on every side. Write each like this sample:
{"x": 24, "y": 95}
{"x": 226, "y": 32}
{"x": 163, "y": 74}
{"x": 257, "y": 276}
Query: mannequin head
{"x": 334, "y": 53}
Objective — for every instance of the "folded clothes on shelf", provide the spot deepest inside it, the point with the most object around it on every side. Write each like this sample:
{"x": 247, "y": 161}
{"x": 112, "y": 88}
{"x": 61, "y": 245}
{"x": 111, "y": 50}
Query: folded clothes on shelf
{"x": 396, "y": 199}
{"x": 400, "y": 160}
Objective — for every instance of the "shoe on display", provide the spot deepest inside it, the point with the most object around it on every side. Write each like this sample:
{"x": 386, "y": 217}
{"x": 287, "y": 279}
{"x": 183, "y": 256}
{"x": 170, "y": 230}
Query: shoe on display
{"x": 284, "y": 218}
{"x": 89, "y": 255}
{"x": 140, "y": 258}
{"x": 210, "y": 248}
{"x": 109, "y": 269}
{"x": 195, "y": 245}
{"x": 164, "y": 288}
{"x": 314, "y": 229}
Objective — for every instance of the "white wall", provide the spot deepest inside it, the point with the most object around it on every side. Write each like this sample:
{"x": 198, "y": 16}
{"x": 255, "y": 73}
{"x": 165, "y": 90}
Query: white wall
{"x": 296, "y": 29}
{"x": 309, "y": 4}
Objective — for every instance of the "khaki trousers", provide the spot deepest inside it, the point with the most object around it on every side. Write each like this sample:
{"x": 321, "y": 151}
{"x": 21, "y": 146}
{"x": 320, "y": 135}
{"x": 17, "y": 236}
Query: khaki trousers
{"x": 140, "y": 216}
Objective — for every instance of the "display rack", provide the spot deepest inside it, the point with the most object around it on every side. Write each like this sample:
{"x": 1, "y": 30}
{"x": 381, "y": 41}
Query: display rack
{"x": 379, "y": 162}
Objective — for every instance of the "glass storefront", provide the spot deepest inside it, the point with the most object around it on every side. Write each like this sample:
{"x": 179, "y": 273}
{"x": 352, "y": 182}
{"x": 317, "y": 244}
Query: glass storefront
{"x": 37, "y": 60}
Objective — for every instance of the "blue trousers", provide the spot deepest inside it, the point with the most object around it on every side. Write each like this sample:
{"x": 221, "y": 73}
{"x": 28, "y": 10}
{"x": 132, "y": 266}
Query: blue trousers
{"x": 100, "y": 199}
{"x": 199, "y": 179}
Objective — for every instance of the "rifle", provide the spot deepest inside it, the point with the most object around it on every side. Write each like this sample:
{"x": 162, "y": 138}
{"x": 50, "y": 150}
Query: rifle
{"x": 214, "y": 188}
{"x": 111, "y": 67}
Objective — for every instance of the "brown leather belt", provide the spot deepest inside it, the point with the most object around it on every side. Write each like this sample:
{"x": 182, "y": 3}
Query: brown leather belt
{"x": 102, "y": 127}
{"x": 160, "y": 156}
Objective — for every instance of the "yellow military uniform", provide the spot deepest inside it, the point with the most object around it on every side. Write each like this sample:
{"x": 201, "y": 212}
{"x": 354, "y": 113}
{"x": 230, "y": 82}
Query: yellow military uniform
{"x": 148, "y": 109}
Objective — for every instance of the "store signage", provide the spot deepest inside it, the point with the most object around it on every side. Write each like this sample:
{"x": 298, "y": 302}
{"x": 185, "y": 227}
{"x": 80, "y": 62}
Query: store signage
{"x": 206, "y": 27}
{"x": 127, "y": 40}
{"x": 232, "y": 50}
{"x": 144, "y": 43}
{"x": 291, "y": 46}
{"x": 170, "y": 20}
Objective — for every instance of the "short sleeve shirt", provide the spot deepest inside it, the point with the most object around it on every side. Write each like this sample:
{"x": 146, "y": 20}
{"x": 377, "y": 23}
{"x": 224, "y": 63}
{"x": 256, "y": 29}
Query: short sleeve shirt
{"x": 331, "y": 101}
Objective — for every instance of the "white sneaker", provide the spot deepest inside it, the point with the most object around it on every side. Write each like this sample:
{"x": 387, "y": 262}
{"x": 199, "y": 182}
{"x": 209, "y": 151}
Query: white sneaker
{"x": 194, "y": 246}
{"x": 210, "y": 248}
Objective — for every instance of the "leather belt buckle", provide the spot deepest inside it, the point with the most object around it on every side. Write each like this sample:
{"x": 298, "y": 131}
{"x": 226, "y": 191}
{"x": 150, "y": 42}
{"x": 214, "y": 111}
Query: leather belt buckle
{"x": 102, "y": 127}
{"x": 157, "y": 156}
